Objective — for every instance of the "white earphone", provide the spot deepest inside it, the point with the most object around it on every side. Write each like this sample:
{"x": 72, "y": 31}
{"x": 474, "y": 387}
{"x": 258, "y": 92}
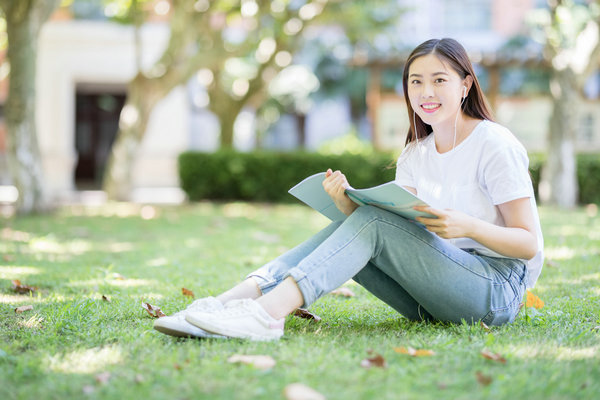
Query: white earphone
{"x": 464, "y": 92}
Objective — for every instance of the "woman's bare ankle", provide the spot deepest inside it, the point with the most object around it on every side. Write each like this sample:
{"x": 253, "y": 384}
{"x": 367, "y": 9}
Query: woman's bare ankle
{"x": 247, "y": 289}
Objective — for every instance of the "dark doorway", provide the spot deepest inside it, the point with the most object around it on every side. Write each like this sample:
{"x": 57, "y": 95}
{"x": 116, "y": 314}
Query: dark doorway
{"x": 96, "y": 124}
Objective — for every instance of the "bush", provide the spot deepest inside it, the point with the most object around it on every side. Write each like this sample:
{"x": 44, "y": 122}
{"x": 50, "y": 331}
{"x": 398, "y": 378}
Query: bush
{"x": 267, "y": 176}
{"x": 588, "y": 178}
{"x": 588, "y": 175}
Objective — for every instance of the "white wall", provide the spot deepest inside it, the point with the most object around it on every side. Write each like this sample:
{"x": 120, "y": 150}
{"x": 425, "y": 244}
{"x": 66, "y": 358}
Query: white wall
{"x": 73, "y": 52}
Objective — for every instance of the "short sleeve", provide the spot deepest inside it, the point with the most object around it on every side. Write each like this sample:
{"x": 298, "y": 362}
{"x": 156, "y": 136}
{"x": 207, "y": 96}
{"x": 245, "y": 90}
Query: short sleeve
{"x": 506, "y": 174}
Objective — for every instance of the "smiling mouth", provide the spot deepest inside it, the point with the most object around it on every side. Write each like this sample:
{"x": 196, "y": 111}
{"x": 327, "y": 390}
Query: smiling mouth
{"x": 430, "y": 107}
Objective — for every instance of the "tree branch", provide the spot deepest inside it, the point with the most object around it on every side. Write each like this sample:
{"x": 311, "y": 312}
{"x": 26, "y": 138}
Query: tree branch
{"x": 594, "y": 58}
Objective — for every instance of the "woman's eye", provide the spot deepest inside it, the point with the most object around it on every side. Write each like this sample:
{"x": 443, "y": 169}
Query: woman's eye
{"x": 440, "y": 80}
{"x": 415, "y": 82}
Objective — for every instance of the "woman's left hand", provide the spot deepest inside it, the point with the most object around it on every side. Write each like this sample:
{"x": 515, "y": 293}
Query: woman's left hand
{"x": 448, "y": 224}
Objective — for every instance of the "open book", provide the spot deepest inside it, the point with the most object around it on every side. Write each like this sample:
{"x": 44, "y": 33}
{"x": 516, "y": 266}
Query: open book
{"x": 389, "y": 196}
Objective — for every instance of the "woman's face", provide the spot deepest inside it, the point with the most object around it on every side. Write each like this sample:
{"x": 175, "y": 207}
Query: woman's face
{"x": 435, "y": 90}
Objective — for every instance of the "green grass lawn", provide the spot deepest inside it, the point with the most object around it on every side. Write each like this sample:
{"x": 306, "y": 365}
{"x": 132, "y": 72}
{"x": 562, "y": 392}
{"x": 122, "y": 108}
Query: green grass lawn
{"x": 74, "y": 344}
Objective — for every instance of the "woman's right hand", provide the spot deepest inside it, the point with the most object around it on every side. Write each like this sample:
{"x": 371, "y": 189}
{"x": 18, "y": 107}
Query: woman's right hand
{"x": 335, "y": 184}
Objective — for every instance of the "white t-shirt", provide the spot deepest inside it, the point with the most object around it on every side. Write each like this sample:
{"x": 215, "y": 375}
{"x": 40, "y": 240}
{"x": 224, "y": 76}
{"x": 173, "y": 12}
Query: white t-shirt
{"x": 488, "y": 168}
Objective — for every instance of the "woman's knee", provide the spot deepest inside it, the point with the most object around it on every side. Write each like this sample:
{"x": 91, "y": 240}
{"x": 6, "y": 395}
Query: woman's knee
{"x": 365, "y": 212}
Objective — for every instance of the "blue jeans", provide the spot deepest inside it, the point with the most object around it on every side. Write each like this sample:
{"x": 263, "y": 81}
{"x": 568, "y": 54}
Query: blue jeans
{"x": 417, "y": 273}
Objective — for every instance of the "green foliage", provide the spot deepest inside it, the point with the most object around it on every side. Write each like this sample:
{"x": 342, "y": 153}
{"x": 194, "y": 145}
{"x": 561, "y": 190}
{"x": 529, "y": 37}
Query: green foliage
{"x": 588, "y": 178}
{"x": 588, "y": 175}
{"x": 347, "y": 144}
{"x": 267, "y": 176}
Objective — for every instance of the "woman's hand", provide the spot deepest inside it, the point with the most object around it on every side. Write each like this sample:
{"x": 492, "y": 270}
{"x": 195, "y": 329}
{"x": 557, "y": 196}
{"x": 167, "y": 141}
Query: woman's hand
{"x": 517, "y": 239}
{"x": 335, "y": 184}
{"x": 449, "y": 224}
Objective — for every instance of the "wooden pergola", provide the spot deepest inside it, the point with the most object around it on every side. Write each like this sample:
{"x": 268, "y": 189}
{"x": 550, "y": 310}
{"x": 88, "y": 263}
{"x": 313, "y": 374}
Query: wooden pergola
{"x": 493, "y": 63}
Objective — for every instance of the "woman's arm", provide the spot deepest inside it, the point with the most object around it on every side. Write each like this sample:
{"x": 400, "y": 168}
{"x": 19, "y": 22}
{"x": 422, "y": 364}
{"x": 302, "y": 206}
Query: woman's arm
{"x": 335, "y": 184}
{"x": 517, "y": 239}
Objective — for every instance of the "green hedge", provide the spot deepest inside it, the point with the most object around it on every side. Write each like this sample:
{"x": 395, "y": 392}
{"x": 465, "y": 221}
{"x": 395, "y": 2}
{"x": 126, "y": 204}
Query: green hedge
{"x": 267, "y": 176}
{"x": 588, "y": 176}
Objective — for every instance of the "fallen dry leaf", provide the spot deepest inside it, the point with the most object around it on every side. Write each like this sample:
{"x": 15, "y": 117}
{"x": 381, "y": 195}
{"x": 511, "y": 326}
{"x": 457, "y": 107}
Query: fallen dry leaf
{"x": 493, "y": 356}
{"x": 187, "y": 292}
{"x": 413, "y": 352}
{"x": 483, "y": 379}
{"x": 258, "y": 361}
{"x": 18, "y": 287}
{"x": 304, "y": 313}
{"x": 21, "y": 309}
{"x": 8, "y": 258}
{"x": 484, "y": 326}
{"x": 103, "y": 377}
{"x": 343, "y": 291}
{"x": 533, "y": 301}
{"x": 154, "y": 311}
{"x": 139, "y": 378}
{"x": 376, "y": 360}
{"x": 105, "y": 298}
{"x": 299, "y": 391}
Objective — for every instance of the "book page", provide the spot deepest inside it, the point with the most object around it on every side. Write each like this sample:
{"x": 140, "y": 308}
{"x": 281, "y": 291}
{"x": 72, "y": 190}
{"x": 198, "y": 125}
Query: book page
{"x": 389, "y": 196}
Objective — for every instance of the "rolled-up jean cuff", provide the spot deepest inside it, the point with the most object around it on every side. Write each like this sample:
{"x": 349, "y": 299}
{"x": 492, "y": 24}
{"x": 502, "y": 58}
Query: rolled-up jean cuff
{"x": 309, "y": 294}
{"x": 265, "y": 285}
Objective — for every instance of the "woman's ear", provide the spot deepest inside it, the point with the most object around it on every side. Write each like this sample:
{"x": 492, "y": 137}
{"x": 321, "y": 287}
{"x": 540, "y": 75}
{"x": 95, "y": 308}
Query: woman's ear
{"x": 467, "y": 83}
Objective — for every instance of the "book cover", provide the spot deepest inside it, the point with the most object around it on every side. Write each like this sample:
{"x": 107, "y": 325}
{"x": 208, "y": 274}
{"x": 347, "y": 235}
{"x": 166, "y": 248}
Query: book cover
{"x": 389, "y": 196}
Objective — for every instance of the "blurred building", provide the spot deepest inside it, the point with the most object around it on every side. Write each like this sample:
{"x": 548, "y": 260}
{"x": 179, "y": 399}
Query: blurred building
{"x": 514, "y": 77}
{"x": 84, "y": 66}
{"x": 83, "y": 71}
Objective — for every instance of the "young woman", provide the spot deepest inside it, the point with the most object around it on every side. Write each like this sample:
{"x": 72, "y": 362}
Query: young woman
{"x": 471, "y": 260}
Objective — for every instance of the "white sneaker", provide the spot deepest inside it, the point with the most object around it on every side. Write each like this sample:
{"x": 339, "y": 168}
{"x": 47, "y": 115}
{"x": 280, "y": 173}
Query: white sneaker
{"x": 176, "y": 325}
{"x": 244, "y": 319}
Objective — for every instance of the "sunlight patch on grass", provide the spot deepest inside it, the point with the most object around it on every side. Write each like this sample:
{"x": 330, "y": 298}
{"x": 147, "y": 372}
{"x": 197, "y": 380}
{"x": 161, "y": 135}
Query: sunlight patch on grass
{"x": 237, "y": 210}
{"x": 119, "y": 247}
{"x": 550, "y": 351}
{"x": 133, "y": 282}
{"x": 85, "y": 361}
{"x": 157, "y": 262}
{"x": 559, "y": 253}
{"x": 17, "y": 272}
{"x": 89, "y": 282}
{"x": 17, "y": 299}
{"x": 569, "y": 230}
{"x": 149, "y": 297}
{"x": 192, "y": 243}
{"x": 50, "y": 245}
{"x": 34, "y": 322}
{"x": 577, "y": 281}
{"x": 123, "y": 283}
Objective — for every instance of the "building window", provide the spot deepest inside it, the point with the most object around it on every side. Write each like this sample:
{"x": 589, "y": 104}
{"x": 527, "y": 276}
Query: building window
{"x": 467, "y": 15}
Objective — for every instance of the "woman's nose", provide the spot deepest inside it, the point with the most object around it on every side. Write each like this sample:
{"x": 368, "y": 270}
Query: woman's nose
{"x": 427, "y": 90}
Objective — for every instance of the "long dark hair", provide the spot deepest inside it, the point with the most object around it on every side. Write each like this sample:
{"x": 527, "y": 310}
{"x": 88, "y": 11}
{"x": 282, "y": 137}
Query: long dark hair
{"x": 453, "y": 53}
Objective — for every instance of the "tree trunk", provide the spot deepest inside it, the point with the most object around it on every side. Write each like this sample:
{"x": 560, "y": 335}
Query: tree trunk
{"x": 142, "y": 96}
{"x": 227, "y": 110}
{"x": 301, "y": 124}
{"x": 23, "y": 22}
{"x": 559, "y": 176}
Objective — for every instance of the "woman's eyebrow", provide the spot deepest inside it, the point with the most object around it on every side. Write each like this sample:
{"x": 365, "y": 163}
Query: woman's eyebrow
{"x": 434, "y": 74}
